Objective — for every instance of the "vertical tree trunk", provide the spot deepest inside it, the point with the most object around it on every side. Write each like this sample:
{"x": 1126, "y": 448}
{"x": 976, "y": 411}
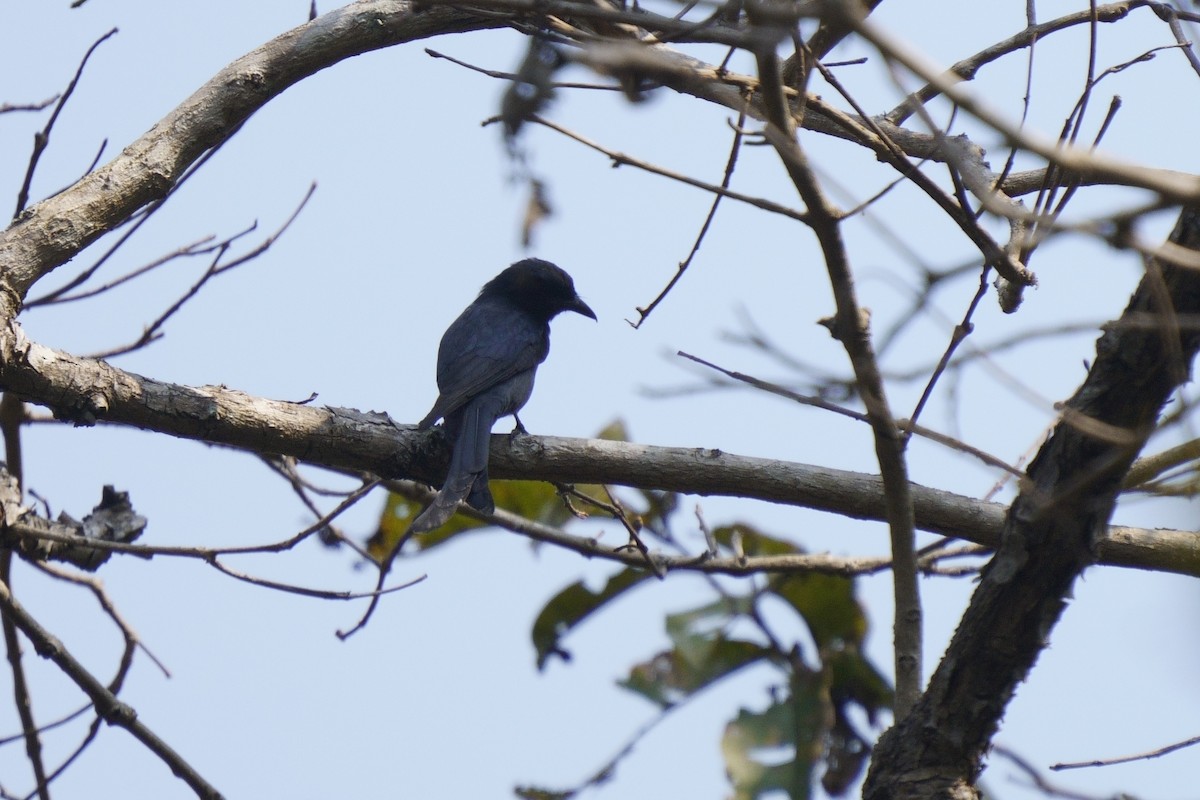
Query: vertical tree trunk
{"x": 1049, "y": 536}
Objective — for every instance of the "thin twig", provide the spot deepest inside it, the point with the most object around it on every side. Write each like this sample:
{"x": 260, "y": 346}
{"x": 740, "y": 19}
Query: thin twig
{"x": 134, "y": 222}
{"x": 961, "y": 331}
{"x": 132, "y": 643}
{"x": 512, "y": 76}
{"x": 730, "y": 163}
{"x": 108, "y": 706}
{"x": 908, "y": 426}
{"x": 7, "y": 108}
{"x": 199, "y": 247}
{"x": 621, "y": 159}
{"x": 152, "y": 332}
{"x": 1043, "y": 785}
{"x": 42, "y": 138}
{"x": 1108, "y": 762}
{"x": 207, "y": 553}
{"x": 12, "y": 417}
{"x": 305, "y": 591}
{"x": 967, "y": 68}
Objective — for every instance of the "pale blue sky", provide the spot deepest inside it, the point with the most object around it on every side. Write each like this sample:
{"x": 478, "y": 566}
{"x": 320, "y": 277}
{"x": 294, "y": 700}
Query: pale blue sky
{"x": 414, "y": 211}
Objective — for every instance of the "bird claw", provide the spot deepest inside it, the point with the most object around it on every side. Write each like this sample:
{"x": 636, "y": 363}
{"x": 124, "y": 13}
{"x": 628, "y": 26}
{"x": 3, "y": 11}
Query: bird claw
{"x": 518, "y": 429}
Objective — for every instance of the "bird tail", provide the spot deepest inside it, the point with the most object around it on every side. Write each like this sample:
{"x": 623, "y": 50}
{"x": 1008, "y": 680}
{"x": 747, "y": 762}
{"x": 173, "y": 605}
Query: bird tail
{"x": 467, "y": 476}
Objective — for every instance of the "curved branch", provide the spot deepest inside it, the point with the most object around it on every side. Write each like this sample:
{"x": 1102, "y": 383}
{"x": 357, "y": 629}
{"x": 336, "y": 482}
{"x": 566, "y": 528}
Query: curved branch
{"x": 51, "y": 232}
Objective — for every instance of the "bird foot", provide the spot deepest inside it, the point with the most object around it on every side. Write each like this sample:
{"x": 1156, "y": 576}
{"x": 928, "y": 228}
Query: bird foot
{"x": 518, "y": 430}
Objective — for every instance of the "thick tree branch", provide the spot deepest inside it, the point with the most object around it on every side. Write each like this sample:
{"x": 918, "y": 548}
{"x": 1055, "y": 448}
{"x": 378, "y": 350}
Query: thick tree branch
{"x": 1050, "y": 536}
{"x": 51, "y": 232}
{"x": 86, "y": 391}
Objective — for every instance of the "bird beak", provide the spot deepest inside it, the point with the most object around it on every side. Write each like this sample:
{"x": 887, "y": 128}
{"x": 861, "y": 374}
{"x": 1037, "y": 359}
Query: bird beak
{"x": 580, "y": 307}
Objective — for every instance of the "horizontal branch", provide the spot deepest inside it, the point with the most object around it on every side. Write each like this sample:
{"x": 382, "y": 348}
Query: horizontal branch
{"x": 86, "y": 391}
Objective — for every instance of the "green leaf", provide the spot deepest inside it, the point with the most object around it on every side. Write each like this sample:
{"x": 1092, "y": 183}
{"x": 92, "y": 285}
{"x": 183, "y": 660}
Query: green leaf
{"x": 845, "y": 757}
{"x": 828, "y": 605}
{"x": 398, "y": 514}
{"x": 743, "y": 745}
{"x": 672, "y": 676}
{"x": 702, "y": 654}
{"x": 855, "y": 679}
{"x": 571, "y": 606}
{"x": 754, "y": 541}
{"x": 702, "y": 622}
{"x": 614, "y": 431}
{"x": 536, "y": 500}
{"x": 537, "y": 793}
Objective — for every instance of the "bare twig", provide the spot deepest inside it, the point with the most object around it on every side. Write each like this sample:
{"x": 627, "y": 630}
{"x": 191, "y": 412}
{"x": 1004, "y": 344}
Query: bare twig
{"x": 1149, "y": 754}
{"x": 202, "y": 246}
{"x": 961, "y": 331}
{"x": 305, "y": 591}
{"x": 110, "y": 708}
{"x": 8, "y": 108}
{"x": 967, "y": 68}
{"x": 23, "y": 699}
{"x": 42, "y": 138}
{"x": 132, "y": 643}
{"x": 12, "y": 416}
{"x": 134, "y": 222}
{"x": 1176, "y": 187}
{"x": 1036, "y": 778}
{"x": 621, "y": 159}
{"x": 730, "y": 163}
{"x": 153, "y": 332}
{"x": 511, "y": 76}
{"x": 908, "y": 426}
{"x": 49, "y": 726}
{"x": 207, "y": 554}
{"x": 591, "y": 547}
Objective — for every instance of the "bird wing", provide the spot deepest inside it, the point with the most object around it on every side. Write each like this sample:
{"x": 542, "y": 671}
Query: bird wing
{"x": 489, "y": 343}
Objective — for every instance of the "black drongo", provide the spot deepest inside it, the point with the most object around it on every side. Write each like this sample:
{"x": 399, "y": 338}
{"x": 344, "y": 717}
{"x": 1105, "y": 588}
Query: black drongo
{"x": 485, "y": 369}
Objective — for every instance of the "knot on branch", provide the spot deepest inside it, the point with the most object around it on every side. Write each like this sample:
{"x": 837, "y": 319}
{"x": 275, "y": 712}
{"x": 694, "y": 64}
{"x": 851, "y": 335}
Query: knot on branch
{"x": 82, "y": 412}
{"x": 848, "y": 330}
{"x": 66, "y": 539}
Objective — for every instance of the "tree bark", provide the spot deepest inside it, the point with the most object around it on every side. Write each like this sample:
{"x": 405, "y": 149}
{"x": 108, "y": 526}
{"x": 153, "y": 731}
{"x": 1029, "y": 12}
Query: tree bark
{"x": 1051, "y": 534}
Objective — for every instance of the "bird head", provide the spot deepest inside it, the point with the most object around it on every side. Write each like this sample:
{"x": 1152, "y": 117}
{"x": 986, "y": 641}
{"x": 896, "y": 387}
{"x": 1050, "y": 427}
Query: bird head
{"x": 539, "y": 287}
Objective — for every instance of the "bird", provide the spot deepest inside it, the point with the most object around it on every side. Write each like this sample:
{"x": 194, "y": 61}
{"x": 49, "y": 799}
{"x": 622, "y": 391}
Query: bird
{"x": 486, "y": 364}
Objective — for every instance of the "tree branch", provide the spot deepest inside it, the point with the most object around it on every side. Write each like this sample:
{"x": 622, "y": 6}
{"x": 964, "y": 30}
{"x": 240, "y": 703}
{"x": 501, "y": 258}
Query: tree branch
{"x": 1079, "y": 161}
{"x": 53, "y": 231}
{"x": 86, "y": 391}
{"x": 107, "y": 705}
